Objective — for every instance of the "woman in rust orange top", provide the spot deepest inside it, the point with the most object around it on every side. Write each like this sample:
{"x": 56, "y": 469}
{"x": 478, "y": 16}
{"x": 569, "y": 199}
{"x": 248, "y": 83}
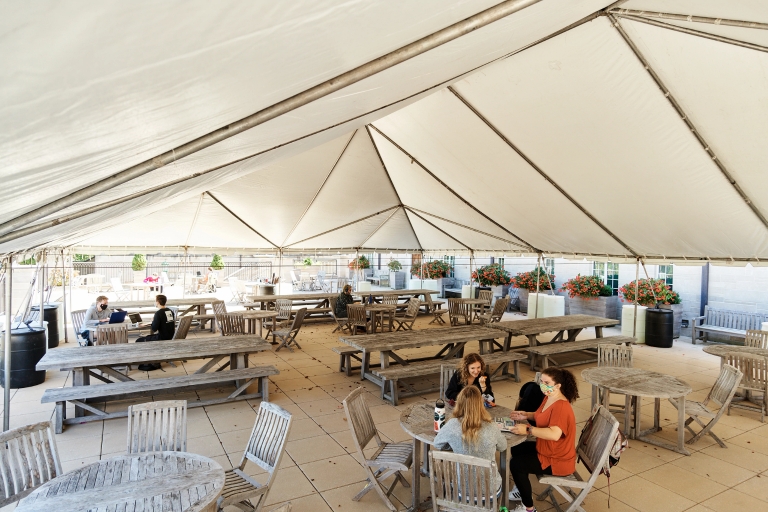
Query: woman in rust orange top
{"x": 554, "y": 452}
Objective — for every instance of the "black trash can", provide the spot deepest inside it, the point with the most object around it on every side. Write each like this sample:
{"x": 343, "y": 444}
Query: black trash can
{"x": 27, "y": 348}
{"x": 53, "y": 315}
{"x": 659, "y": 324}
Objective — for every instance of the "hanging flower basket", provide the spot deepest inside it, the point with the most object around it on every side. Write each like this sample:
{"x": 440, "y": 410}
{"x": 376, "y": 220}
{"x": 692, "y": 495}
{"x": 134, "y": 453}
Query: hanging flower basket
{"x": 431, "y": 270}
{"x": 491, "y": 275}
{"x": 646, "y": 290}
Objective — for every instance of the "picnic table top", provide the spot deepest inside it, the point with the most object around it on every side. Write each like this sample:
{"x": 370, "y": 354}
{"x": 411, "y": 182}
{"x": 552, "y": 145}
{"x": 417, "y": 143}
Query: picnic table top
{"x": 552, "y": 324}
{"x": 425, "y": 337}
{"x": 130, "y": 353}
{"x": 189, "y": 301}
{"x": 721, "y": 350}
{"x": 326, "y": 296}
{"x": 636, "y": 382}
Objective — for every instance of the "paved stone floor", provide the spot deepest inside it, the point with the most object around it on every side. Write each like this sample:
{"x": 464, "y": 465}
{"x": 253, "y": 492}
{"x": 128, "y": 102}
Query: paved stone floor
{"x": 320, "y": 472}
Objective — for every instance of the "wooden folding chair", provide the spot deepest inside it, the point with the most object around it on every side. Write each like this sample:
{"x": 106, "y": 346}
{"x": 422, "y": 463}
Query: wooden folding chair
{"x": 113, "y": 334}
{"x": 28, "y": 458}
{"x": 482, "y": 309}
{"x": 434, "y": 308}
{"x": 494, "y": 316}
{"x": 405, "y": 322}
{"x": 288, "y": 336}
{"x": 341, "y": 323}
{"x": 446, "y": 374}
{"x": 389, "y": 458}
{"x": 356, "y": 317}
{"x": 618, "y": 356}
{"x": 756, "y": 339}
{"x": 231, "y": 325}
{"x": 78, "y": 317}
{"x": 720, "y": 395}
{"x": 157, "y": 426}
{"x": 755, "y": 378}
{"x": 463, "y": 483}
{"x": 459, "y": 312}
{"x": 182, "y": 329}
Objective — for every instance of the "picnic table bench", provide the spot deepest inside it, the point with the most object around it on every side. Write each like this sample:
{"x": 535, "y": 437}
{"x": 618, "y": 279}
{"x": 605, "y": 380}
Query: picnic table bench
{"x": 391, "y": 376}
{"x": 545, "y": 352}
{"x": 726, "y": 322}
{"x": 78, "y": 395}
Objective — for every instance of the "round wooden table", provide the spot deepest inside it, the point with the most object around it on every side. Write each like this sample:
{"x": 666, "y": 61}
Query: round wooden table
{"x": 178, "y": 481}
{"x": 379, "y": 310}
{"x": 419, "y": 422}
{"x": 721, "y": 350}
{"x": 637, "y": 383}
{"x": 254, "y": 319}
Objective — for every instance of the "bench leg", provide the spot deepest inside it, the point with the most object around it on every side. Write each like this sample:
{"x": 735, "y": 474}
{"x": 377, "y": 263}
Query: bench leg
{"x": 264, "y": 385}
{"x": 61, "y": 414}
{"x": 517, "y": 370}
{"x": 393, "y": 388}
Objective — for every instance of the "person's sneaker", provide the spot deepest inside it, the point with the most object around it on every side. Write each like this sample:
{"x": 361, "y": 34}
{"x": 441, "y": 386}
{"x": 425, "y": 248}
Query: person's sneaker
{"x": 514, "y": 494}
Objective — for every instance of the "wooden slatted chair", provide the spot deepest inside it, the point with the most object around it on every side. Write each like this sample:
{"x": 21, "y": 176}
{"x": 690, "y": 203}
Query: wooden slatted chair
{"x": 388, "y": 459}
{"x": 265, "y": 449}
{"x": 219, "y": 310}
{"x": 157, "y": 426}
{"x": 405, "y": 321}
{"x": 720, "y": 396}
{"x": 392, "y": 300}
{"x": 231, "y": 325}
{"x": 28, "y": 459}
{"x": 356, "y": 317}
{"x": 78, "y": 317}
{"x": 446, "y": 373}
{"x": 341, "y": 323}
{"x": 499, "y": 307}
{"x": 434, "y": 307}
{"x": 756, "y": 339}
{"x": 617, "y": 356}
{"x": 182, "y": 329}
{"x": 288, "y": 336}
{"x": 111, "y": 334}
{"x": 482, "y": 309}
{"x": 755, "y": 378}
{"x": 459, "y": 312}
{"x": 462, "y": 482}
{"x": 593, "y": 449}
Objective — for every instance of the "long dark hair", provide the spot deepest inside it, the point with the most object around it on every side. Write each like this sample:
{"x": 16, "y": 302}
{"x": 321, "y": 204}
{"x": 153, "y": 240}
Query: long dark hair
{"x": 567, "y": 381}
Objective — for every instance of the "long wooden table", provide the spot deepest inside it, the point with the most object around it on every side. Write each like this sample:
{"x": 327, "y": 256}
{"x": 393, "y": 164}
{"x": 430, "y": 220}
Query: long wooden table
{"x": 453, "y": 340}
{"x": 191, "y": 303}
{"x": 533, "y": 327}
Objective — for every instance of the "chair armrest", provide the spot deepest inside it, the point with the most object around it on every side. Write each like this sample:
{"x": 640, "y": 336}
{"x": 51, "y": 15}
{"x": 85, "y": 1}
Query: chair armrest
{"x": 564, "y": 481}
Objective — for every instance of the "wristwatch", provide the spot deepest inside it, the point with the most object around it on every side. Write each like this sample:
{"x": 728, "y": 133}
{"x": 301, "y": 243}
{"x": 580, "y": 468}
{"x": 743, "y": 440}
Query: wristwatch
{"x": 528, "y": 430}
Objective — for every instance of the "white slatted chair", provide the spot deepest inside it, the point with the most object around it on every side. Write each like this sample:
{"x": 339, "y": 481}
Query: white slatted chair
{"x": 238, "y": 289}
{"x": 756, "y": 339}
{"x": 121, "y": 292}
{"x": 462, "y": 482}
{"x": 755, "y": 379}
{"x": 593, "y": 448}
{"x": 157, "y": 426}
{"x": 617, "y": 356}
{"x": 28, "y": 459}
{"x": 265, "y": 449}
{"x": 78, "y": 317}
{"x": 720, "y": 396}
{"x": 389, "y": 459}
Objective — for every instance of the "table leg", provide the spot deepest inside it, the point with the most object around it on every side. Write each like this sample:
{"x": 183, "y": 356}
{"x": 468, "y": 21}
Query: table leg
{"x": 638, "y": 408}
{"x": 507, "y": 341}
{"x": 598, "y": 331}
{"x": 681, "y": 425}
{"x": 384, "y": 356}
{"x": 416, "y": 478}
{"x": 274, "y": 326}
{"x": 532, "y": 342}
{"x": 504, "y": 470}
{"x": 365, "y": 364}
{"x": 656, "y": 413}
{"x": 391, "y": 320}
{"x": 261, "y": 327}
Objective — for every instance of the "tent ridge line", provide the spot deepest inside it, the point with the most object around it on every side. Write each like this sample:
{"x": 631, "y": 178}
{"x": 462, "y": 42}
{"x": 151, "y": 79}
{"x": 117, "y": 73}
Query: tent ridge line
{"x": 698, "y": 33}
{"x": 321, "y": 90}
{"x": 445, "y": 185}
{"x": 344, "y": 225}
{"x": 333, "y": 167}
{"x": 536, "y": 168}
{"x": 379, "y": 226}
{"x": 239, "y": 218}
{"x": 441, "y": 230}
{"x": 686, "y": 119}
{"x": 417, "y": 210}
{"x": 691, "y": 18}
{"x": 392, "y": 183}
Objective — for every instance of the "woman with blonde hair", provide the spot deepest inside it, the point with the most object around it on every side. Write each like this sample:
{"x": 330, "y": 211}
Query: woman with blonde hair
{"x": 471, "y": 431}
{"x": 471, "y": 372}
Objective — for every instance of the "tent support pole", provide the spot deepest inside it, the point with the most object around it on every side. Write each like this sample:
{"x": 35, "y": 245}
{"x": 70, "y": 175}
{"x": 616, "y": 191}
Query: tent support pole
{"x": 697, "y": 33}
{"x": 538, "y": 169}
{"x": 686, "y": 119}
{"x": 64, "y": 292}
{"x": 692, "y": 19}
{"x": 185, "y": 264}
{"x": 637, "y": 290}
{"x": 7, "y": 344}
{"x": 538, "y": 273}
{"x": 310, "y": 95}
{"x": 41, "y": 286}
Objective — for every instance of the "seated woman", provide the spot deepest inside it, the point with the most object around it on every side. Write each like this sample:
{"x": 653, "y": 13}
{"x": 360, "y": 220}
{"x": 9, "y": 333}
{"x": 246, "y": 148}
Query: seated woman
{"x": 554, "y": 452}
{"x": 471, "y": 431}
{"x": 471, "y": 372}
{"x": 344, "y": 298}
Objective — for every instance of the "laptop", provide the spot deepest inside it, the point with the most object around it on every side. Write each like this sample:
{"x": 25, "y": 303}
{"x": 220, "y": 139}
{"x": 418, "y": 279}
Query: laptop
{"x": 117, "y": 317}
{"x": 135, "y": 318}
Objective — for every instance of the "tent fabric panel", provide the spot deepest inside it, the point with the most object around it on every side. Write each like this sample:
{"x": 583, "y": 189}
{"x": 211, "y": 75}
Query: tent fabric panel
{"x": 588, "y": 96}
{"x": 348, "y": 236}
{"x": 453, "y": 142}
{"x": 477, "y": 241}
{"x": 395, "y": 233}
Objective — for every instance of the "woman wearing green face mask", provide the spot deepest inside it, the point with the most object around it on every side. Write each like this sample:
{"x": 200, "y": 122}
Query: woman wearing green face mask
{"x": 554, "y": 452}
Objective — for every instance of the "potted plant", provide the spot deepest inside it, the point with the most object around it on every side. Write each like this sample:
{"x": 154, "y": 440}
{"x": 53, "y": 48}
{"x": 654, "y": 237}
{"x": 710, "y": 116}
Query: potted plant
{"x": 653, "y": 291}
{"x": 588, "y": 295}
{"x": 307, "y": 262}
{"x": 494, "y": 276}
{"x": 139, "y": 266}
{"x": 429, "y": 275}
{"x": 526, "y": 282}
{"x": 216, "y": 262}
{"x": 396, "y": 275}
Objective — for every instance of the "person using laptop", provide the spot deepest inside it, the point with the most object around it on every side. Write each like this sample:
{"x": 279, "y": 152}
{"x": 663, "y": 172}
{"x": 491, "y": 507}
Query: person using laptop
{"x": 162, "y": 328}
{"x": 98, "y": 313}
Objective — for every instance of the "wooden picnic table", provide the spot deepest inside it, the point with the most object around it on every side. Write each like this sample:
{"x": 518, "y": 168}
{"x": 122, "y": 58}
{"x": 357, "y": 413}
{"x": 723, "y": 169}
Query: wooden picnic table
{"x": 453, "y": 340}
{"x": 192, "y": 303}
{"x": 156, "y": 481}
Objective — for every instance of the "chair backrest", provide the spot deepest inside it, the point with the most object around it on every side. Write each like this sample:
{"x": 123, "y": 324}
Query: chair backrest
{"x": 486, "y": 295}
{"x": 157, "y": 426}
{"x": 219, "y": 307}
{"x": 595, "y": 443}
{"x": 413, "y": 308}
{"x": 456, "y": 307}
{"x": 756, "y": 339}
{"x": 499, "y": 308}
{"x": 112, "y": 334}
{"x": 356, "y": 314}
{"x": 117, "y": 285}
{"x": 392, "y": 300}
{"x": 726, "y": 385}
{"x": 183, "y": 328}
{"x": 619, "y": 356}
{"x": 78, "y": 317}
{"x": 231, "y": 325}
{"x": 754, "y": 368}
{"x": 462, "y": 482}
{"x": 341, "y": 283}
{"x": 428, "y": 300}
{"x": 28, "y": 459}
{"x": 446, "y": 373}
{"x": 284, "y": 308}
{"x": 298, "y": 320}
{"x": 360, "y": 421}
{"x": 267, "y": 442}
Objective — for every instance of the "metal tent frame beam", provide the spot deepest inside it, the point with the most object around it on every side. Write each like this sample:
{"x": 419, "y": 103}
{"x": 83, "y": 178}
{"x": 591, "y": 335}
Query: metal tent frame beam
{"x": 240, "y": 219}
{"x": 440, "y": 230}
{"x": 342, "y": 226}
{"x": 478, "y": 231}
{"x": 691, "y": 18}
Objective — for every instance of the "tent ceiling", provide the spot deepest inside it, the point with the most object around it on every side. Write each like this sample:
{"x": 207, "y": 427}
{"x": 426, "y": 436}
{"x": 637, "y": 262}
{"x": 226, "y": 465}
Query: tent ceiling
{"x": 566, "y": 147}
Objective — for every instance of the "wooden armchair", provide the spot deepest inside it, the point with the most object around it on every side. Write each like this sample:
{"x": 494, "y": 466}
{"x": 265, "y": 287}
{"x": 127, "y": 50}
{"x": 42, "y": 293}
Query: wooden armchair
{"x": 356, "y": 317}
{"x": 463, "y": 483}
{"x": 755, "y": 378}
{"x": 29, "y": 458}
{"x": 157, "y": 426}
{"x": 756, "y": 339}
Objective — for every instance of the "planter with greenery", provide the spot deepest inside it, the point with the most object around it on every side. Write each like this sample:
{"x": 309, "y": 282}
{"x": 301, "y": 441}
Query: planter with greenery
{"x": 139, "y": 266}
{"x": 588, "y": 295}
{"x": 664, "y": 296}
{"x": 360, "y": 263}
{"x": 526, "y": 282}
{"x": 307, "y": 262}
{"x": 394, "y": 266}
{"x": 431, "y": 270}
{"x": 217, "y": 263}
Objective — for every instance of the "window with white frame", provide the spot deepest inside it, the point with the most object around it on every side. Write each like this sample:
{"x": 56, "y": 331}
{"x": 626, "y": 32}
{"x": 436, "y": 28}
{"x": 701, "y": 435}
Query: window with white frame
{"x": 451, "y": 260}
{"x": 608, "y": 272}
{"x": 666, "y": 272}
{"x": 549, "y": 265}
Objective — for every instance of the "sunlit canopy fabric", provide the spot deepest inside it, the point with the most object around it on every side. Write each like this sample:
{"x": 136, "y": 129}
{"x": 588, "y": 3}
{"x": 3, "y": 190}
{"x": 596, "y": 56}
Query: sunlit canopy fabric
{"x": 490, "y": 143}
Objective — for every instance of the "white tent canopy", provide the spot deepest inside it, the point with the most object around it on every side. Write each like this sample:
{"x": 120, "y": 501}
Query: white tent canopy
{"x": 634, "y": 140}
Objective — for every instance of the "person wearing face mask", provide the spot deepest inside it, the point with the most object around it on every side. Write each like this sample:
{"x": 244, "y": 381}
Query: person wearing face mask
{"x": 471, "y": 372}
{"x": 97, "y": 313}
{"x": 554, "y": 452}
